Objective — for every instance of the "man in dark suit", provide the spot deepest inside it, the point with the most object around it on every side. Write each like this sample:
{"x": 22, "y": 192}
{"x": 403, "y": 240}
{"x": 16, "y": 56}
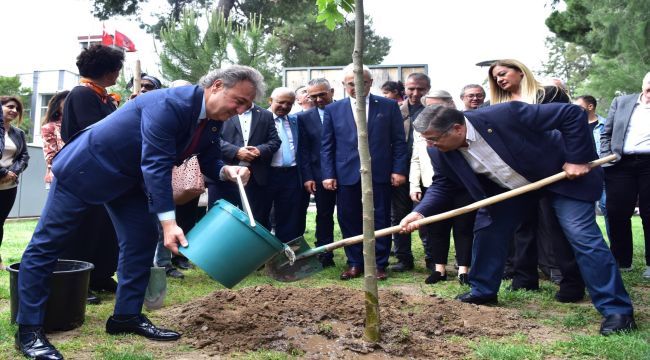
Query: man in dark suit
{"x": 491, "y": 150}
{"x": 285, "y": 192}
{"x": 310, "y": 126}
{"x": 124, "y": 162}
{"x": 249, "y": 139}
{"x": 627, "y": 134}
{"x": 341, "y": 166}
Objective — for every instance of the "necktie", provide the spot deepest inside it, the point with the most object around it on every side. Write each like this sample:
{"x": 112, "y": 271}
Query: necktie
{"x": 195, "y": 139}
{"x": 287, "y": 154}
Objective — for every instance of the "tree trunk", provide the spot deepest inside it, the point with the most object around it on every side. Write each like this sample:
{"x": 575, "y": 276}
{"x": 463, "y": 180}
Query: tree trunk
{"x": 371, "y": 332}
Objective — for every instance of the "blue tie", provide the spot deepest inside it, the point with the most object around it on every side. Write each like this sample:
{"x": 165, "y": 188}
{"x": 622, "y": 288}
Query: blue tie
{"x": 287, "y": 154}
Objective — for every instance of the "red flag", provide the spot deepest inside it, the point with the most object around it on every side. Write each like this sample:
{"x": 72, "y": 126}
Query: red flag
{"x": 107, "y": 39}
{"x": 124, "y": 42}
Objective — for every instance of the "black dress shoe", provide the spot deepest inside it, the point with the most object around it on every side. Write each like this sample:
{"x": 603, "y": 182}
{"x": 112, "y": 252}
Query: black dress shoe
{"x": 108, "y": 285}
{"x": 139, "y": 325}
{"x": 182, "y": 263}
{"x": 401, "y": 266}
{"x": 172, "y": 272}
{"x": 478, "y": 300}
{"x": 35, "y": 345}
{"x": 327, "y": 262}
{"x": 569, "y": 298}
{"x": 92, "y": 298}
{"x": 463, "y": 279}
{"x": 435, "y": 277}
{"x": 617, "y": 323}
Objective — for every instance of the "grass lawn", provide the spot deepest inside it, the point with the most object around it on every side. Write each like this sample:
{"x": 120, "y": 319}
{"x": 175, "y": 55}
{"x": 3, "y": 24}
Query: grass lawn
{"x": 581, "y": 321}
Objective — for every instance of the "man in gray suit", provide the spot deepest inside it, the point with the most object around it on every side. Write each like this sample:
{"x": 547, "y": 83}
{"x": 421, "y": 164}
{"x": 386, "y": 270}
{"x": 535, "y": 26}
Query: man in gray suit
{"x": 627, "y": 134}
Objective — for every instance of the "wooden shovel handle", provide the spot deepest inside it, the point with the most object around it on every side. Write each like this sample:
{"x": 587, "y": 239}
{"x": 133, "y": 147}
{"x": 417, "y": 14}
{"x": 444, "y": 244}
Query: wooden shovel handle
{"x": 468, "y": 208}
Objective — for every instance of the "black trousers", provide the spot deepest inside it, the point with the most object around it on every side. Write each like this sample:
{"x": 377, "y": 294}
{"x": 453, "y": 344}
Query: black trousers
{"x": 540, "y": 225}
{"x": 400, "y": 206}
{"x": 625, "y": 182}
{"x": 95, "y": 241}
{"x": 437, "y": 235}
{"x": 7, "y": 199}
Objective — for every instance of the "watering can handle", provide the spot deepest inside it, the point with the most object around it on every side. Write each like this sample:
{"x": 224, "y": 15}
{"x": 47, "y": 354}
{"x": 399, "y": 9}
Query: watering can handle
{"x": 244, "y": 201}
{"x": 452, "y": 213}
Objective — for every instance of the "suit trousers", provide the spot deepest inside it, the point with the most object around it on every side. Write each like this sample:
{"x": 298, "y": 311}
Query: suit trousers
{"x": 325, "y": 204}
{"x": 349, "y": 213}
{"x": 625, "y": 182}
{"x": 290, "y": 201}
{"x": 438, "y": 235}
{"x": 401, "y": 205}
{"x": 136, "y": 232}
{"x": 541, "y": 229}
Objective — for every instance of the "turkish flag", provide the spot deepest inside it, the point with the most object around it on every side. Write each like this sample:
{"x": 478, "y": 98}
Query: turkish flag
{"x": 107, "y": 39}
{"x": 124, "y": 42}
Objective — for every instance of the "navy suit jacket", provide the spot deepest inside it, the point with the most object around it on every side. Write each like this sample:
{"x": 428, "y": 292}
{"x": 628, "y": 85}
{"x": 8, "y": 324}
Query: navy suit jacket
{"x": 138, "y": 145}
{"x": 262, "y": 135}
{"x": 339, "y": 147}
{"x": 534, "y": 140}
{"x": 310, "y": 129}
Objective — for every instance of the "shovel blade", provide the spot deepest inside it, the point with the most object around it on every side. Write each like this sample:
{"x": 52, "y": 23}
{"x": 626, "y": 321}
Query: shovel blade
{"x": 279, "y": 268}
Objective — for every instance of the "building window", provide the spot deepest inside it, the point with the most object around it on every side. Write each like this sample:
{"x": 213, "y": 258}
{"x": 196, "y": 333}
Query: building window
{"x": 45, "y": 99}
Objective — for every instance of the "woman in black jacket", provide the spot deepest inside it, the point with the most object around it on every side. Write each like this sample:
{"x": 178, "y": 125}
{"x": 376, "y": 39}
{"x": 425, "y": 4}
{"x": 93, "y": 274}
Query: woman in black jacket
{"x": 14, "y": 157}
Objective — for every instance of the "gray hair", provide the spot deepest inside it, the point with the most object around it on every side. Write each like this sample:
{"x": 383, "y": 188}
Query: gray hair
{"x": 282, "y": 91}
{"x": 418, "y": 76}
{"x": 349, "y": 69}
{"x": 234, "y": 74}
{"x": 471, "y": 86}
{"x": 438, "y": 118}
{"x": 319, "y": 81}
{"x": 646, "y": 78}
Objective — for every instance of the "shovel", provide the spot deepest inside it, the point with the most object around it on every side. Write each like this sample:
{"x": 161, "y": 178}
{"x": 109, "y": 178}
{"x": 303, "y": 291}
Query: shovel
{"x": 306, "y": 264}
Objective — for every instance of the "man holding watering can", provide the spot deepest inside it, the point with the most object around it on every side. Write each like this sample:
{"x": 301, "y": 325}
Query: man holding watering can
{"x": 125, "y": 163}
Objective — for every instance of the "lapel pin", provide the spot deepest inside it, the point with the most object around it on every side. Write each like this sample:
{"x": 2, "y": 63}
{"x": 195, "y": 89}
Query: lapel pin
{"x": 214, "y": 129}
{"x": 489, "y": 131}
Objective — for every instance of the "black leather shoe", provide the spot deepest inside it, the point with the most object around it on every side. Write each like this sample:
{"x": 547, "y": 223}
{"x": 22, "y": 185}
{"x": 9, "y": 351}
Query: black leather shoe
{"x": 435, "y": 277}
{"x": 35, "y": 345}
{"x": 478, "y": 300}
{"x": 140, "y": 325}
{"x": 182, "y": 263}
{"x": 327, "y": 262}
{"x": 92, "y": 298}
{"x": 401, "y": 266}
{"x": 617, "y": 323}
{"x": 463, "y": 279}
{"x": 569, "y": 298}
{"x": 173, "y": 272}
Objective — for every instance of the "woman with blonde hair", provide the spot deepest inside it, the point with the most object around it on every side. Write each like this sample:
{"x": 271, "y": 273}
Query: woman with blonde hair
{"x": 510, "y": 80}
{"x": 539, "y": 239}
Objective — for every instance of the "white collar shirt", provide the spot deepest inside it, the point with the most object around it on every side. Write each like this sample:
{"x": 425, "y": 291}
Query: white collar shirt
{"x": 245, "y": 121}
{"x": 637, "y": 135}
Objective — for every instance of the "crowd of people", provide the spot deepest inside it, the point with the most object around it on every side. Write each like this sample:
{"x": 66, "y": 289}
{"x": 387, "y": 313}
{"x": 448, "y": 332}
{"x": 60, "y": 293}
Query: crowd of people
{"x": 110, "y": 195}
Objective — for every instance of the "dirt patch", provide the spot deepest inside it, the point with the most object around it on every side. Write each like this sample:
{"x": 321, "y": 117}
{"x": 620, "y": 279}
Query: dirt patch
{"x": 329, "y": 323}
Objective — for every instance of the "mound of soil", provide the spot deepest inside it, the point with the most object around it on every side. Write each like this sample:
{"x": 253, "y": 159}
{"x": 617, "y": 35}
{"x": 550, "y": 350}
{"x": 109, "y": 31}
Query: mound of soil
{"x": 329, "y": 323}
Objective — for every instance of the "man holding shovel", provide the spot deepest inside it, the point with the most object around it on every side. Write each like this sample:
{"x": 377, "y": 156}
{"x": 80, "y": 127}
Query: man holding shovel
{"x": 498, "y": 148}
{"x": 125, "y": 163}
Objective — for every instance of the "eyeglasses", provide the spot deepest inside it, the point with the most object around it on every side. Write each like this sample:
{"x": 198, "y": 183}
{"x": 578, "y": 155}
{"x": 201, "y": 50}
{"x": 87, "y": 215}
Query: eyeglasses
{"x": 474, "y": 96}
{"x": 434, "y": 139}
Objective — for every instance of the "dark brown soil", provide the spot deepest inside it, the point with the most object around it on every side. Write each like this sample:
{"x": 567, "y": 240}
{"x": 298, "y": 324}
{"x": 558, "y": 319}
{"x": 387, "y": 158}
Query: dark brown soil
{"x": 329, "y": 323}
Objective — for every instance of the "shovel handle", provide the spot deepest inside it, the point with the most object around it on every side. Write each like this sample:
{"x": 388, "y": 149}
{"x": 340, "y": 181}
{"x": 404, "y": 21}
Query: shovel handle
{"x": 462, "y": 210}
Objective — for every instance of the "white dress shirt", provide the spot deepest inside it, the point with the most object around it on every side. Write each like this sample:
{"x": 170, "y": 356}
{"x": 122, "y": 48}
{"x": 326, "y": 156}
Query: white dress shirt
{"x": 484, "y": 160}
{"x": 276, "y": 161}
{"x": 245, "y": 120}
{"x": 637, "y": 136}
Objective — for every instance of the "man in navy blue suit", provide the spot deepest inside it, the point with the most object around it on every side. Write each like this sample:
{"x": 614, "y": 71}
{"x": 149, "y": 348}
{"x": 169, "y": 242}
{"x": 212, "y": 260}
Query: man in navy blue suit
{"x": 506, "y": 146}
{"x": 310, "y": 126}
{"x": 340, "y": 166}
{"x": 124, "y": 162}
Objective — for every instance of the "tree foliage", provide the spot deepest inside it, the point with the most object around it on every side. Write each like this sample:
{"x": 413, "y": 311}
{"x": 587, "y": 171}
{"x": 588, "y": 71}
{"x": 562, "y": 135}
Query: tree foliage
{"x": 617, "y": 33}
{"x": 567, "y": 61}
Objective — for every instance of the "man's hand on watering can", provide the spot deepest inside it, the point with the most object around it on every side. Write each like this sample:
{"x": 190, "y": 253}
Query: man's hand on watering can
{"x": 231, "y": 172}
{"x": 408, "y": 223}
{"x": 173, "y": 235}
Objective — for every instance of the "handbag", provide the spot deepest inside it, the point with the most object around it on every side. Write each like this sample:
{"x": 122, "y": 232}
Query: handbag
{"x": 187, "y": 181}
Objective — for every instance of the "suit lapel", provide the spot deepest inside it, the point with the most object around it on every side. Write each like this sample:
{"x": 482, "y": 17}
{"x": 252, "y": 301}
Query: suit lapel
{"x": 484, "y": 127}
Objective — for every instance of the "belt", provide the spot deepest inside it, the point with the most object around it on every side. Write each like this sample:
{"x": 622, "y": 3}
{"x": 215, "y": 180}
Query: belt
{"x": 638, "y": 156}
{"x": 284, "y": 168}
